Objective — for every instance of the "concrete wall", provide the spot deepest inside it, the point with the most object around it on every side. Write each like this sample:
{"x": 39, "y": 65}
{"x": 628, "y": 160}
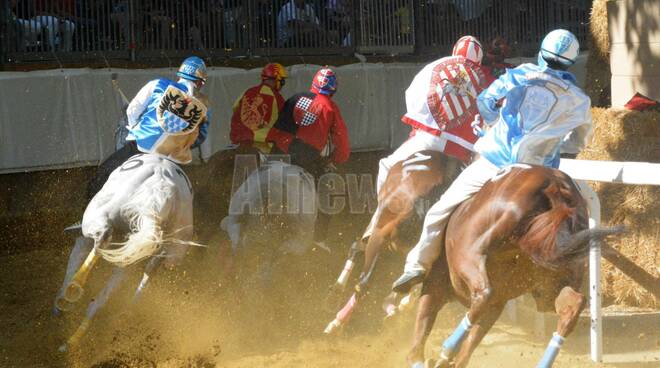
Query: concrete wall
{"x": 634, "y": 29}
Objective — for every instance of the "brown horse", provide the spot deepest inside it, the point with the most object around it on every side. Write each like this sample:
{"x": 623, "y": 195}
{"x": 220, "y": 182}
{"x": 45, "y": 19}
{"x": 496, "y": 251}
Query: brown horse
{"x": 525, "y": 231}
{"x": 406, "y": 182}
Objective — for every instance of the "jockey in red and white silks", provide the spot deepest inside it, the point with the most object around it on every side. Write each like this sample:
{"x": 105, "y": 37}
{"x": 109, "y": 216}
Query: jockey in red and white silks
{"x": 440, "y": 106}
{"x": 544, "y": 113}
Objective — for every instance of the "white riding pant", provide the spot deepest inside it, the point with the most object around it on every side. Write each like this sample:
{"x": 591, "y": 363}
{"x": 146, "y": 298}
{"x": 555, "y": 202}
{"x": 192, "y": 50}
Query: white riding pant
{"x": 430, "y": 245}
{"x": 421, "y": 141}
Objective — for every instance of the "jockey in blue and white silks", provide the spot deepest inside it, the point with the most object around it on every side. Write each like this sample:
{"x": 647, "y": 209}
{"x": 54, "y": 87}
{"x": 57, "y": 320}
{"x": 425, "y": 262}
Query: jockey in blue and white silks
{"x": 167, "y": 129}
{"x": 542, "y": 107}
{"x": 543, "y": 112}
{"x": 165, "y": 117}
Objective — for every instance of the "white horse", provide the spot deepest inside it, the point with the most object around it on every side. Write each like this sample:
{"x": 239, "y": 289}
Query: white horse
{"x": 273, "y": 211}
{"x": 143, "y": 210}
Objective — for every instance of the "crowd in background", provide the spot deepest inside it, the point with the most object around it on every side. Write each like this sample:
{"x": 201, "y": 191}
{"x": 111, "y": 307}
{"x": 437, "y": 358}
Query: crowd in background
{"x": 106, "y": 25}
{"x": 80, "y": 25}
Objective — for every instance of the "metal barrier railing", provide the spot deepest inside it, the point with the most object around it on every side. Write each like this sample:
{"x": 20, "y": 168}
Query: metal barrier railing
{"x": 387, "y": 26}
{"x": 48, "y": 30}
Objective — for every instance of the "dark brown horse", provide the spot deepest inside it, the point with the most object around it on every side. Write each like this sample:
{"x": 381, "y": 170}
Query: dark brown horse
{"x": 214, "y": 182}
{"x": 406, "y": 182}
{"x": 523, "y": 232}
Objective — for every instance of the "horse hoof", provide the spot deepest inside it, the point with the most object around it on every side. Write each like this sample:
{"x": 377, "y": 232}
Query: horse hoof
{"x": 57, "y": 312}
{"x": 332, "y": 327}
{"x": 442, "y": 363}
{"x": 61, "y": 306}
{"x": 73, "y": 292}
{"x": 63, "y": 348}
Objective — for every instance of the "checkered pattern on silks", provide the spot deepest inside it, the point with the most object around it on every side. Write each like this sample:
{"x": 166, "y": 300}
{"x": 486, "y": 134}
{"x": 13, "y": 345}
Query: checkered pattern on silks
{"x": 302, "y": 114}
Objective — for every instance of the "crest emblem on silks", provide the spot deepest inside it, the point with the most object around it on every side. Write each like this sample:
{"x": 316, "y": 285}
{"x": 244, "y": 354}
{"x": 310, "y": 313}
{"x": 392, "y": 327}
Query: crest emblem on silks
{"x": 178, "y": 113}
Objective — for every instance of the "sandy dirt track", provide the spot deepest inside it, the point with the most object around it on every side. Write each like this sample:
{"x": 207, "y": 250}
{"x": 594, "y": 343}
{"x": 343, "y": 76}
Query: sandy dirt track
{"x": 188, "y": 319}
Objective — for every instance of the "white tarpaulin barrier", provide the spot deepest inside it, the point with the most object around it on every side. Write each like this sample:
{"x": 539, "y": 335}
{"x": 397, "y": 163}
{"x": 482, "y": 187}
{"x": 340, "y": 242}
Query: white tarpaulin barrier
{"x": 65, "y": 118}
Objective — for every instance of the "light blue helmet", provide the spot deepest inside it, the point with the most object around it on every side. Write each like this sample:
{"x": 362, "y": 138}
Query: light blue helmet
{"x": 193, "y": 69}
{"x": 559, "y": 46}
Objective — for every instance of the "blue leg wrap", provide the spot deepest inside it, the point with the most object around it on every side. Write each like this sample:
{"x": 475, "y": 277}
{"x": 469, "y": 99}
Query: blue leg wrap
{"x": 453, "y": 342}
{"x": 551, "y": 351}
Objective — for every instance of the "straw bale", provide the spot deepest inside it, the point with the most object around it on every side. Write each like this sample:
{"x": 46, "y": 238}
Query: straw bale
{"x": 621, "y": 135}
{"x": 599, "y": 74}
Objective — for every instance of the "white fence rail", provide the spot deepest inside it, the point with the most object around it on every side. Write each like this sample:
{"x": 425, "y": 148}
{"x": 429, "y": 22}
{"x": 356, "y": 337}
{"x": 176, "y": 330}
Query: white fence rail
{"x": 640, "y": 173}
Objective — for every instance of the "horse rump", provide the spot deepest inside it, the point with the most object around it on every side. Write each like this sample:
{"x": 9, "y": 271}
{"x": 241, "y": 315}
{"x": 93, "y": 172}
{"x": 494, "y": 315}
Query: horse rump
{"x": 144, "y": 212}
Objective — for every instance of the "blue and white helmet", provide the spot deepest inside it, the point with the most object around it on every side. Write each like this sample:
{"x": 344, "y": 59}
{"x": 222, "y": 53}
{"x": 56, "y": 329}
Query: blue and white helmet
{"x": 193, "y": 69}
{"x": 560, "y": 46}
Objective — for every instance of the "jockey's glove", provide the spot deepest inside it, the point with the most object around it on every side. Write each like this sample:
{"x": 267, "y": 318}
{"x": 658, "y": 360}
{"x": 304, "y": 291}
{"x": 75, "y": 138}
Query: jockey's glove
{"x": 329, "y": 168}
{"x": 476, "y": 126}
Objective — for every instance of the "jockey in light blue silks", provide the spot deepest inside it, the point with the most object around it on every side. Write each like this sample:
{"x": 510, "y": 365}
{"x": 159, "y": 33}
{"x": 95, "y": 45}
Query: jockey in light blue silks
{"x": 543, "y": 113}
{"x": 165, "y": 117}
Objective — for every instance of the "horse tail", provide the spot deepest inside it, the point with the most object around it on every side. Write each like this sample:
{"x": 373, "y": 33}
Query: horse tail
{"x": 552, "y": 238}
{"x": 145, "y": 211}
{"x": 540, "y": 239}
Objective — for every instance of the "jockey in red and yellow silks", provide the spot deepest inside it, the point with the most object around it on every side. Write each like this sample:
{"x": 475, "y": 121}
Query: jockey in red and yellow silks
{"x": 257, "y": 109}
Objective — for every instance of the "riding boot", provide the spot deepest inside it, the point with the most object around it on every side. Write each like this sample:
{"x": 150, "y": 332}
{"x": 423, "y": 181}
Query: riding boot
{"x": 409, "y": 279}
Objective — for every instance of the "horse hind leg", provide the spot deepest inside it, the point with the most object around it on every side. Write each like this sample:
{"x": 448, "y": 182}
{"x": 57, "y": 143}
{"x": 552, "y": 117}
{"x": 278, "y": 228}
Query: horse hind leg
{"x": 82, "y": 247}
{"x": 434, "y": 297}
{"x": 568, "y": 304}
{"x": 93, "y": 308}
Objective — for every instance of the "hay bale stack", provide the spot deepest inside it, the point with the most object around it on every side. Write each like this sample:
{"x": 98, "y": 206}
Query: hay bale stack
{"x": 622, "y": 135}
{"x": 599, "y": 74}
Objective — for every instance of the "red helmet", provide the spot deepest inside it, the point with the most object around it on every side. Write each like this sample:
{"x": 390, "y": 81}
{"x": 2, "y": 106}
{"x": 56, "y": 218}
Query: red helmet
{"x": 276, "y": 72}
{"x": 470, "y": 48}
{"x": 498, "y": 49}
{"x": 325, "y": 82}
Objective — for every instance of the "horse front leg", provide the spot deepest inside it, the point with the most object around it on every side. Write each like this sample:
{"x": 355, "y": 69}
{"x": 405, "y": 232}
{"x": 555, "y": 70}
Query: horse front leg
{"x": 473, "y": 273}
{"x": 477, "y": 333}
{"x": 569, "y": 304}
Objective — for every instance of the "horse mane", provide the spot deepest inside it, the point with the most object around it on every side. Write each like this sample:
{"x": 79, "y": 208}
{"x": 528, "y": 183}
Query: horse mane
{"x": 547, "y": 239}
{"x": 144, "y": 211}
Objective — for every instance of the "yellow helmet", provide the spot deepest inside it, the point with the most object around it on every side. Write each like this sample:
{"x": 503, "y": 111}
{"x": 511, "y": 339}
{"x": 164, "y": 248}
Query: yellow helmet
{"x": 275, "y": 71}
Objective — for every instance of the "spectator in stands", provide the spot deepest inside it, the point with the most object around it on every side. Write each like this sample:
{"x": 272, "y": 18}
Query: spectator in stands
{"x": 402, "y": 22}
{"x": 235, "y": 16}
{"x": 158, "y": 23}
{"x": 206, "y": 29}
{"x": 120, "y": 18}
{"x": 339, "y": 18}
{"x": 298, "y": 25}
{"x": 24, "y": 31}
{"x": 54, "y": 17}
{"x": 258, "y": 108}
{"x": 263, "y": 17}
